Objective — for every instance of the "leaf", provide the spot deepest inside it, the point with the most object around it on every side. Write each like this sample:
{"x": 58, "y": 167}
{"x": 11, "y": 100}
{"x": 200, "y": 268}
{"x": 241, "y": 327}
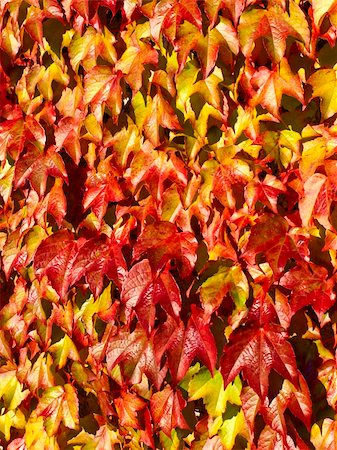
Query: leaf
{"x": 269, "y": 236}
{"x": 230, "y": 174}
{"x": 33, "y": 23}
{"x": 230, "y": 280}
{"x": 231, "y": 428}
{"x": 209, "y": 90}
{"x": 212, "y": 9}
{"x": 125, "y": 142}
{"x": 58, "y": 404}
{"x": 162, "y": 242}
{"x": 235, "y": 8}
{"x": 211, "y": 390}
{"x": 12, "y": 419}
{"x": 324, "y": 85}
{"x": 168, "y": 15}
{"x": 153, "y": 168}
{"x": 255, "y": 352}
{"x": 208, "y": 48}
{"x": 102, "y": 85}
{"x": 11, "y": 390}
{"x": 36, "y": 166}
{"x": 40, "y": 375}
{"x": 57, "y": 202}
{"x": 312, "y": 188}
{"x": 320, "y": 9}
{"x": 97, "y": 257}
{"x": 6, "y": 181}
{"x": 55, "y": 257}
{"x": 196, "y": 341}
{"x": 134, "y": 353}
{"x": 300, "y": 400}
{"x": 64, "y": 349}
{"x": 251, "y": 404}
{"x": 5, "y": 349}
{"x": 266, "y": 191}
{"x": 270, "y": 85}
{"x": 262, "y": 310}
{"x": 134, "y": 60}
{"x": 67, "y": 137}
{"x": 270, "y": 439}
{"x": 310, "y": 286}
{"x": 53, "y": 73}
{"x": 102, "y": 187}
{"x": 313, "y": 155}
{"x": 166, "y": 409}
{"x": 127, "y": 406}
{"x": 159, "y": 113}
{"x": 327, "y": 375}
{"x": 299, "y": 21}
{"x": 272, "y": 25}
{"x": 142, "y": 291}
{"x": 326, "y": 437}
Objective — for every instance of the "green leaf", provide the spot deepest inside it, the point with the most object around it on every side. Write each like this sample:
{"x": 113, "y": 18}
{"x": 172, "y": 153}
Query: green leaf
{"x": 64, "y": 349}
{"x": 211, "y": 390}
{"x": 230, "y": 280}
{"x": 11, "y": 390}
{"x": 231, "y": 428}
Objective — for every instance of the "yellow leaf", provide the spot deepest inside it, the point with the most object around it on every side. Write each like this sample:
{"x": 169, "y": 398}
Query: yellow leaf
{"x": 64, "y": 349}
{"x": 231, "y": 428}
{"x": 12, "y": 419}
{"x": 324, "y": 85}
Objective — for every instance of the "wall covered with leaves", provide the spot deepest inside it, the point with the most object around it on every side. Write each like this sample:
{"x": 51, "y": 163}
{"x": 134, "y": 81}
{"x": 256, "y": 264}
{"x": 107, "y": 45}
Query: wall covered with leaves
{"x": 168, "y": 217}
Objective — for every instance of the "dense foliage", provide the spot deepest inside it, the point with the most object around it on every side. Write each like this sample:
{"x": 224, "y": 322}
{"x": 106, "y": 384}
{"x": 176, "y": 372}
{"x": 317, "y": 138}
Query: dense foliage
{"x": 168, "y": 188}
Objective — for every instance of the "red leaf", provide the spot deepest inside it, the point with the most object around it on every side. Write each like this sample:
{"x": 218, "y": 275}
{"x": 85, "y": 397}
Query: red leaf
{"x": 166, "y": 409}
{"x": 229, "y": 177}
{"x": 310, "y": 286}
{"x": 102, "y": 187}
{"x": 251, "y": 404}
{"x": 132, "y": 63}
{"x": 142, "y": 291}
{"x": 55, "y": 258}
{"x": 169, "y": 14}
{"x": 36, "y": 165}
{"x": 262, "y": 310}
{"x": 12, "y": 137}
{"x": 97, "y": 257}
{"x": 266, "y": 191}
{"x": 313, "y": 204}
{"x": 255, "y": 352}
{"x": 269, "y": 236}
{"x": 162, "y": 242}
{"x": 272, "y": 25}
{"x": 134, "y": 353}
{"x": 127, "y": 406}
{"x": 67, "y": 137}
{"x": 268, "y": 87}
{"x": 271, "y": 440}
{"x": 235, "y": 7}
{"x": 154, "y": 168}
{"x": 183, "y": 346}
{"x": 57, "y": 202}
{"x": 102, "y": 85}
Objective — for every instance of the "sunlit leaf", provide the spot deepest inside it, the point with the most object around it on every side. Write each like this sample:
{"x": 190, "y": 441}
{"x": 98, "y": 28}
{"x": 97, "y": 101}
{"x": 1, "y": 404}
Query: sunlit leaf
{"x": 253, "y": 348}
{"x": 58, "y": 404}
